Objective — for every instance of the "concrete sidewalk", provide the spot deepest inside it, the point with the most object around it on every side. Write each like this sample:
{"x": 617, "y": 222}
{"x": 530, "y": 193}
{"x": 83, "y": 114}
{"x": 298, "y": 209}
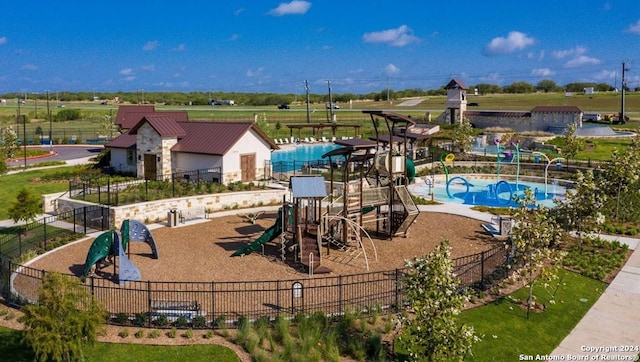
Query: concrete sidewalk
{"x": 611, "y": 328}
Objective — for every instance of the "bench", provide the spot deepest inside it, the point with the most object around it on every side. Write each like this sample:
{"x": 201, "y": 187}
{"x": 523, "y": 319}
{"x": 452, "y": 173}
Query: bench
{"x": 174, "y": 309}
{"x": 192, "y": 214}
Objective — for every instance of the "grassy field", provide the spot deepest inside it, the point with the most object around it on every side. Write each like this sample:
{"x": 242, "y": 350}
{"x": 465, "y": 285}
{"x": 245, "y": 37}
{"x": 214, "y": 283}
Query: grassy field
{"x": 11, "y": 345}
{"x": 94, "y": 114}
{"x": 36, "y": 181}
{"x": 506, "y": 331}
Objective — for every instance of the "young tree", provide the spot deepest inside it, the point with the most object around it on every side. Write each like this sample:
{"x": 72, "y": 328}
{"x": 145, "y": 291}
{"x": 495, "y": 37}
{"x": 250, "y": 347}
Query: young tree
{"x": 620, "y": 175}
{"x": 463, "y": 135}
{"x": 65, "y": 318}
{"x": 581, "y": 211}
{"x": 26, "y": 206}
{"x": 534, "y": 236}
{"x": 9, "y": 145}
{"x": 432, "y": 291}
{"x": 572, "y": 144}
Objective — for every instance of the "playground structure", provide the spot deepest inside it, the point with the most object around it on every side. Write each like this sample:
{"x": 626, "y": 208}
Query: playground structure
{"x": 372, "y": 196}
{"x": 113, "y": 243}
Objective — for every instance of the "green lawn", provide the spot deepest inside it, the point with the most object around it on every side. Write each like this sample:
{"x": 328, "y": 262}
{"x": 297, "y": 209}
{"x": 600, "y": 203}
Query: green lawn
{"x": 507, "y": 333}
{"x": 35, "y": 181}
{"x": 11, "y": 345}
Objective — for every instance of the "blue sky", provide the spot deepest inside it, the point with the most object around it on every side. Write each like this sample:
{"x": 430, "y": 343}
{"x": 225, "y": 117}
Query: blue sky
{"x": 272, "y": 46}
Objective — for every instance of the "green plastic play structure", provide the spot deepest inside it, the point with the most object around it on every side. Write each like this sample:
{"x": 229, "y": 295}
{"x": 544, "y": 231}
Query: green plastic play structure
{"x": 411, "y": 170}
{"x": 111, "y": 244}
{"x": 268, "y": 235}
{"x": 101, "y": 248}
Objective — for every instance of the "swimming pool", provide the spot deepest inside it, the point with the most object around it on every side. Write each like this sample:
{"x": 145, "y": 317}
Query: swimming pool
{"x": 297, "y": 156}
{"x": 303, "y": 152}
{"x": 487, "y": 192}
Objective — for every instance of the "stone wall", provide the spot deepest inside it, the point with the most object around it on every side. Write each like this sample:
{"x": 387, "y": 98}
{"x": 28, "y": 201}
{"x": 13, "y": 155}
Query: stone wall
{"x": 154, "y": 211}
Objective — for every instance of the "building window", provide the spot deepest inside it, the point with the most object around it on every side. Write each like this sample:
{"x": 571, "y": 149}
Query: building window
{"x": 131, "y": 157}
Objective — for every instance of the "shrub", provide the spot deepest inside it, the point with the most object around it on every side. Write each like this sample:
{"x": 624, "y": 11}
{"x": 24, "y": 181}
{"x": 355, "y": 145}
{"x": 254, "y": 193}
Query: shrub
{"x": 199, "y": 322}
{"x": 154, "y": 334}
{"x": 173, "y": 332}
{"x": 161, "y": 320}
{"x": 121, "y": 318}
{"x": 181, "y": 322}
{"x": 124, "y": 333}
{"x": 140, "y": 319}
{"x": 139, "y": 333}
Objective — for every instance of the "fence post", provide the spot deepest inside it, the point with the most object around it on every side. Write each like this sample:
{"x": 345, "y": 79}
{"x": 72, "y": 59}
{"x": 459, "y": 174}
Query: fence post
{"x": 213, "y": 304}
{"x": 340, "y": 306}
{"x": 44, "y": 232}
{"x": 84, "y": 217}
{"x": 109, "y": 190}
{"x": 146, "y": 190}
{"x": 99, "y": 193}
{"x": 397, "y": 290}
{"x": 74, "y": 221}
{"x": 278, "y": 298}
{"x": 173, "y": 185}
{"x": 482, "y": 270}
{"x": 149, "y": 300}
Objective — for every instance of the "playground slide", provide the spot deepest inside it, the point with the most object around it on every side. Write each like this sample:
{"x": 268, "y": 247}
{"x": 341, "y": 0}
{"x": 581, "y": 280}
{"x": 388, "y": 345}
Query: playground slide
{"x": 268, "y": 235}
{"x": 411, "y": 170}
{"x": 100, "y": 249}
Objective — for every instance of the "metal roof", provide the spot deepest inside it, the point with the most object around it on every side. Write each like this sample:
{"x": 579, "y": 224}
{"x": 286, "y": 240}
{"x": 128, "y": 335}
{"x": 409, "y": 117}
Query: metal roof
{"x": 127, "y": 141}
{"x": 216, "y": 138}
{"x": 129, "y": 115}
{"x": 556, "y": 109}
{"x": 163, "y": 125}
{"x": 308, "y": 187}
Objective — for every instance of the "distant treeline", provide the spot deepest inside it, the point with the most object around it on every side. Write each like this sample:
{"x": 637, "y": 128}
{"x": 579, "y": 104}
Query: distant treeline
{"x": 263, "y": 99}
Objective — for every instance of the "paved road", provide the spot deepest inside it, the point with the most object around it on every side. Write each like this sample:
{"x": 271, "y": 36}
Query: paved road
{"x": 61, "y": 153}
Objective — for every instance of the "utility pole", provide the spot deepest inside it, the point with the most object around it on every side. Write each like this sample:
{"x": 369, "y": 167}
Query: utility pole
{"x": 624, "y": 85}
{"x": 306, "y": 88}
{"x": 49, "y": 116}
{"x": 330, "y": 102}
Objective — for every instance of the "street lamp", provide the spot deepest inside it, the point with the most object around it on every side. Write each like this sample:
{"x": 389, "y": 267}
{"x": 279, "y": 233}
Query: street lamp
{"x": 546, "y": 169}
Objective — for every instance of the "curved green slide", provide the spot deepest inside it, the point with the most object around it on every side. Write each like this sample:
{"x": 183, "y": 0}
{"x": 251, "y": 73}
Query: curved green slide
{"x": 411, "y": 170}
{"x": 101, "y": 248}
{"x": 268, "y": 235}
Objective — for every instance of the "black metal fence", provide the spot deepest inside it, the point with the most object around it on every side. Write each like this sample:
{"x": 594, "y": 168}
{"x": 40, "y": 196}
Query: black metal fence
{"x": 116, "y": 191}
{"x": 45, "y": 233}
{"x": 221, "y": 304}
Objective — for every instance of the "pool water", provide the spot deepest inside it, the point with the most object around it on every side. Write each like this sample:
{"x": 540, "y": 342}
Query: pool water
{"x": 303, "y": 153}
{"x": 491, "y": 193}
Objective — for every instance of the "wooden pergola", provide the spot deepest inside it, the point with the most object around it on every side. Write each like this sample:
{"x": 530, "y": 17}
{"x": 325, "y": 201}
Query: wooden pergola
{"x": 319, "y": 127}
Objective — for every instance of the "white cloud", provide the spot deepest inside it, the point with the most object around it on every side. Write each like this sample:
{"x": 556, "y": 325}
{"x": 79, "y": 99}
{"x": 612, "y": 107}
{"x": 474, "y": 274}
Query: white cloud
{"x": 180, "y": 48}
{"x": 296, "y": 7}
{"x": 398, "y": 37}
{"x": 150, "y": 45}
{"x": 238, "y": 12}
{"x": 542, "y": 72}
{"x": 580, "y": 61}
{"x": 577, "y": 51}
{"x": 149, "y": 68}
{"x": 514, "y": 41}
{"x": 391, "y": 69}
{"x": 605, "y": 75}
{"x": 126, "y": 71}
{"x": 129, "y": 79}
{"x": 29, "y": 67}
{"x": 326, "y": 47}
{"x": 254, "y": 73}
{"x": 634, "y": 28}
{"x": 234, "y": 37}
{"x": 3, "y": 40}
